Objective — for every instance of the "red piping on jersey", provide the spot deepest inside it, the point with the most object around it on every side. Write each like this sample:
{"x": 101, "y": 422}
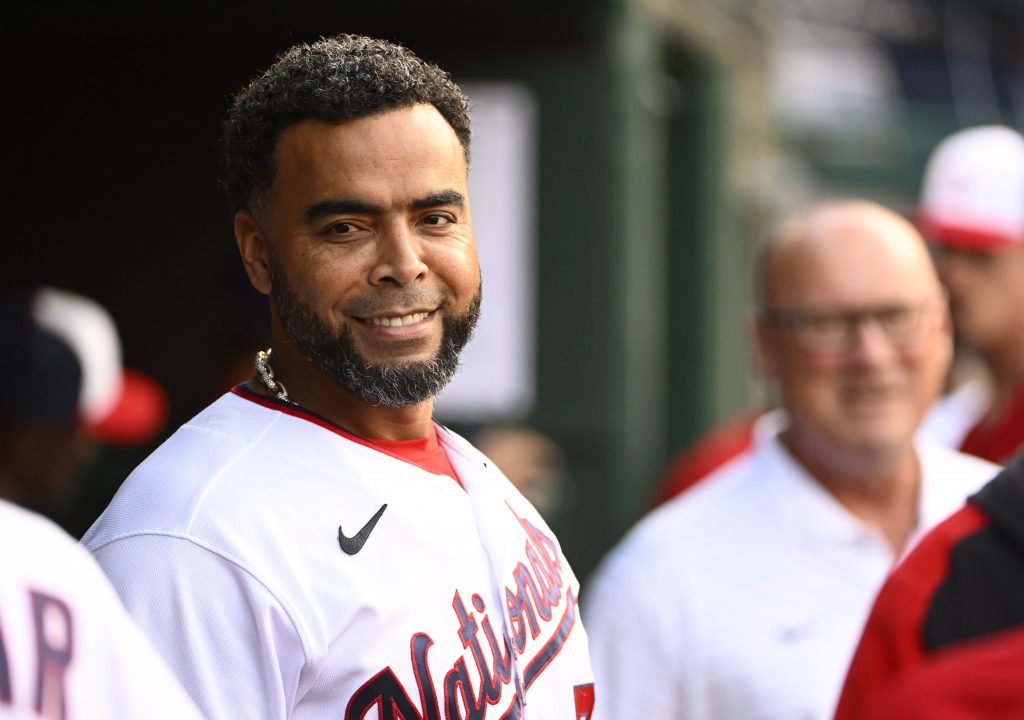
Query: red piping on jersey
{"x": 308, "y": 415}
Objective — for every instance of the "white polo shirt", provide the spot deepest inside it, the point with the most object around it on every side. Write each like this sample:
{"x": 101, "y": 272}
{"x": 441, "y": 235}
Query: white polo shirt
{"x": 745, "y": 596}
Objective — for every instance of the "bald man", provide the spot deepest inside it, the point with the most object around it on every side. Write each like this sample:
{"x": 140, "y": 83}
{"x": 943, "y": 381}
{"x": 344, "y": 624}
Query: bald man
{"x": 744, "y": 597}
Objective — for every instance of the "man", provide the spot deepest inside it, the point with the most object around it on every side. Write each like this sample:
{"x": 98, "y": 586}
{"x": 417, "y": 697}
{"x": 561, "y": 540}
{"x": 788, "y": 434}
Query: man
{"x": 67, "y": 647}
{"x": 313, "y": 545}
{"x": 972, "y": 209}
{"x": 964, "y": 583}
{"x": 67, "y": 395}
{"x": 744, "y": 596}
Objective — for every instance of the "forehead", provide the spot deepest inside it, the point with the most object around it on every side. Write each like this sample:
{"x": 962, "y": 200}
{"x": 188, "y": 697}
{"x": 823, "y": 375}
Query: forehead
{"x": 407, "y": 150}
{"x": 850, "y": 262}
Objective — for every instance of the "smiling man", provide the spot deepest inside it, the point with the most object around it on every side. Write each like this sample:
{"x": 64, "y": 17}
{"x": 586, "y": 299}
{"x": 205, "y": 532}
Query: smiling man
{"x": 765, "y": 571}
{"x": 313, "y": 545}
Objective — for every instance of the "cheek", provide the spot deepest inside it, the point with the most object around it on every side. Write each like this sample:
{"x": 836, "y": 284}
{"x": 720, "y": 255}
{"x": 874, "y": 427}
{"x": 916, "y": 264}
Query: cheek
{"x": 811, "y": 385}
{"x": 460, "y": 271}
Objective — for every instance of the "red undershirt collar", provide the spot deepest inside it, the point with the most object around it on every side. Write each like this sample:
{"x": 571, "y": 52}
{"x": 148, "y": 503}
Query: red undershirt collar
{"x": 425, "y": 453}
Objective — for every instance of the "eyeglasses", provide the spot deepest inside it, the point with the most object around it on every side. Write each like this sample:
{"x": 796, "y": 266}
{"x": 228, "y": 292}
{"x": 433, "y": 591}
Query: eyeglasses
{"x": 837, "y": 333}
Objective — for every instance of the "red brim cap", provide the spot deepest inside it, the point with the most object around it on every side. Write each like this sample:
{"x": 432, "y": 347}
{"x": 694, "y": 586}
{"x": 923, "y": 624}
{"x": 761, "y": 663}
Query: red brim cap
{"x": 137, "y": 417}
{"x": 964, "y": 237}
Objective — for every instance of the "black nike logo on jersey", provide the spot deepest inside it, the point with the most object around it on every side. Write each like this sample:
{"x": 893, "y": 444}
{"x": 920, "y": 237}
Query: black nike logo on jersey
{"x": 354, "y": 544}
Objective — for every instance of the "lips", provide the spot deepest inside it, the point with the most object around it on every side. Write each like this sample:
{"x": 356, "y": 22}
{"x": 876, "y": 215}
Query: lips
{"x": 871, "y": 396}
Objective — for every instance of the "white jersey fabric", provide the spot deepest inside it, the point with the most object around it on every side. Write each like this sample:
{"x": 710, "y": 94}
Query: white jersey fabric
{"x": 67, "y": 647}
{"x": 745, "y": 596}
{"x": 225, "y": 545}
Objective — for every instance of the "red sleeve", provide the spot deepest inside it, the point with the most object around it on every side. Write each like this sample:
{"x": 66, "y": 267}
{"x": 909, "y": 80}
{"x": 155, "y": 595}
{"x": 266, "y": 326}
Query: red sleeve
{"x": 893, "y": 641}
{"x": 976, "y": 680}
{"x": 709, "y": 453}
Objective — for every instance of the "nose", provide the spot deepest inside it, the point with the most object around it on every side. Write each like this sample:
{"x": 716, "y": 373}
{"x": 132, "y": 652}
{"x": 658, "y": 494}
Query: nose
{"x": 869, "y": 342}
{"x": 399, "y": 258}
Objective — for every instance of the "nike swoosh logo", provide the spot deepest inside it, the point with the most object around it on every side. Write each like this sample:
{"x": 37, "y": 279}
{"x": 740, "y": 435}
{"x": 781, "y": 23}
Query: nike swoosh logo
{"x": 354, "y": 544}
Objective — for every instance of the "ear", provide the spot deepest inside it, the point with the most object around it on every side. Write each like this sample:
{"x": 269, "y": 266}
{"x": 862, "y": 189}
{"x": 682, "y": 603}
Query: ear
{"x": 252, "y": 246}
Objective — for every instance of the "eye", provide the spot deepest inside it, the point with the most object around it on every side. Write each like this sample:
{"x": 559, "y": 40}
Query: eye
{"x": 825, "y": 326}
{"x": 341, "y": 228}
{"x": 899, "y": 320}
{"x": 436, "y": 219}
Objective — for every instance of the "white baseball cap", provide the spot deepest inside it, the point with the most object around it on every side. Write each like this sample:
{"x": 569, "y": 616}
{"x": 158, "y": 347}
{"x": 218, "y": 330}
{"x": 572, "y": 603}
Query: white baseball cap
{"x": 116, "y": 405}
{"x": 972, "y": 193}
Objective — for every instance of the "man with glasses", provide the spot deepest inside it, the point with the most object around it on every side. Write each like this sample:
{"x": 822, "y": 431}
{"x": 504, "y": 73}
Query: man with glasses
{"x": 745, "y": 596}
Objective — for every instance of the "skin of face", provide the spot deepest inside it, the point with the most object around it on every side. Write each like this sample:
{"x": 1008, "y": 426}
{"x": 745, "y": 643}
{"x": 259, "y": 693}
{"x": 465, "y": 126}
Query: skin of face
{"x": 369, "y": 220}
{"x": 864, "y": 405}
{"x": 986, "y": 291}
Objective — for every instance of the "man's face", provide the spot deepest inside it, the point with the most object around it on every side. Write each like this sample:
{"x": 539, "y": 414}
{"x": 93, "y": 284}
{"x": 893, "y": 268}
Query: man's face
{"x": 986, "y": 291}
{"x": 374, "y": 271}
{"x": 863, "y": 343}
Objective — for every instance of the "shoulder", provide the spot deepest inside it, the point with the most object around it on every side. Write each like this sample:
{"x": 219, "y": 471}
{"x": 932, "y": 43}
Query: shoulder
{"x": 690, "y": 531}
{"x": 166, "y": 491}
{"x": 922, "y": 569}
{"x": 952, "y": 470}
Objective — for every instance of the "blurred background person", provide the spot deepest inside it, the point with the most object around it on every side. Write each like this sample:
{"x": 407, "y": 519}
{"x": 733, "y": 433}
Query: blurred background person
{"x": 979, "y": 680}
{"x": 531, "y": 460}
{"x": 744, "y": 597}
{"x": 67, "y": 647}
{"x": 972, "y": 210}
{"x": 963, "y": 583}
{"x": 67, "y": 397}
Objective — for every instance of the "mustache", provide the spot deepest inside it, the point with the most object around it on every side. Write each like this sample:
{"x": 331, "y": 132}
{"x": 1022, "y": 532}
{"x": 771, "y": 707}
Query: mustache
{"x": 389, "y": 298}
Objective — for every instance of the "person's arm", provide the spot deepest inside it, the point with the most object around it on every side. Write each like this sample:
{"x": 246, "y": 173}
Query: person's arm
{"x": 224, "y": 635}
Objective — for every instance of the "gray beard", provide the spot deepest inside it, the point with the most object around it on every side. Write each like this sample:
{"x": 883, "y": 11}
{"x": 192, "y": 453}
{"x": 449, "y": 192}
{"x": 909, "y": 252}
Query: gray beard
{"x": 335, "y": 353}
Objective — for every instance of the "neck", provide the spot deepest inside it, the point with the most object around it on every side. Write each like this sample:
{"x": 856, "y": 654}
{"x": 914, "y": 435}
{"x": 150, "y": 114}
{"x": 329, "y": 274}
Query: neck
{"x": 880, "y": 488}
{"x": 315, "y": 390}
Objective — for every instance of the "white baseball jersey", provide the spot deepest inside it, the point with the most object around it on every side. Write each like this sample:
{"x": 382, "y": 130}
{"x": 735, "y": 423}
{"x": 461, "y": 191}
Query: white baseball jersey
{"x": 288, "y": 569}
{"x": 68, "y": 649}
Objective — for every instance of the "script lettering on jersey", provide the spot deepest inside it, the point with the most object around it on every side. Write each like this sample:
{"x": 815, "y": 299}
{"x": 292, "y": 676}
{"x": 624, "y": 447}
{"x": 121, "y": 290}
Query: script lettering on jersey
{"x": 480, "y": 678}
{"x": 54, "y": 649}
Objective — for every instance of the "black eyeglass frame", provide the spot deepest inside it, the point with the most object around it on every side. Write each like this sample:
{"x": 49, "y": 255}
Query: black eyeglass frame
{"x": 835, "y": 332}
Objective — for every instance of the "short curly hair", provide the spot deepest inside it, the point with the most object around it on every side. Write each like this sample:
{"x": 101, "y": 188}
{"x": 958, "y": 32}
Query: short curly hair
{"x": 334, "y": 79}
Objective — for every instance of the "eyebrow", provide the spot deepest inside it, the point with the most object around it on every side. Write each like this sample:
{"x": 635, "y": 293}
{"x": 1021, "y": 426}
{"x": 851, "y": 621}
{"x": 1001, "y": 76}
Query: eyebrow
{"x": 444, "y": 197}
{"x": 340, "y": 206}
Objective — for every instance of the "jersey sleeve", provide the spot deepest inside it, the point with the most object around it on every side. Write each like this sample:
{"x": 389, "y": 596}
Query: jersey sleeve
{"x": 231, "y": 644}
{"x": 977, "y": 680}
{"x": 892, "y": 643}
